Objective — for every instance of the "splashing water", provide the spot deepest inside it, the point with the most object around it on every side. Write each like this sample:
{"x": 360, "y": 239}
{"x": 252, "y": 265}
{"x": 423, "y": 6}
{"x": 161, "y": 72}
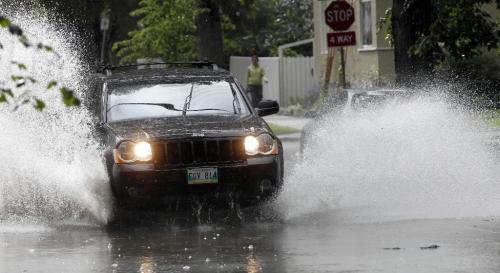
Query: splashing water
{"x": 50, "y": 168}
{"x": 417, "y": 159}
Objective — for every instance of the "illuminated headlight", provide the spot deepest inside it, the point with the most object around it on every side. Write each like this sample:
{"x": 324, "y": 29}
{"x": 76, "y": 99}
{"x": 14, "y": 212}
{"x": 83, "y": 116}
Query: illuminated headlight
{"x": 129, "y": 152}
{"x": 262, "y": 144}
{"x": 251, "y": 145}
{"x": 142, "y": 151}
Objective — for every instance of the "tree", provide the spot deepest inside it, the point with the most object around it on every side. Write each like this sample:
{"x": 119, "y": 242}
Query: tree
{"x": 293, "y": 23}
{"x": 166, "y": 30}
{"x": 428, "y": 33}
{"x": 214, "y": 29}
{"x": 409, "y": 22}
{"x": 209, "y": 32}
{"x": 265, "y": 25}
{"x": 19, "y": 81}
{"x": 247, "y": 26}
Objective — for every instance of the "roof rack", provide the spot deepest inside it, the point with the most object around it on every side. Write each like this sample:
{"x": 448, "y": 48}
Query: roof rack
{"x": 197, "y": 64}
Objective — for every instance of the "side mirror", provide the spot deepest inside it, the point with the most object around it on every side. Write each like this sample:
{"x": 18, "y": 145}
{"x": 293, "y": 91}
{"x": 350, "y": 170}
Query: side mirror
{"x": 267, "y": 107}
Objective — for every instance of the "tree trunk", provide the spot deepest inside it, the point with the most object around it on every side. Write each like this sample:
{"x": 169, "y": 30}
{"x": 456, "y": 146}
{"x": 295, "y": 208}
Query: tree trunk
{"x": 409, "y": 19}
{"x": 209, "y": 33}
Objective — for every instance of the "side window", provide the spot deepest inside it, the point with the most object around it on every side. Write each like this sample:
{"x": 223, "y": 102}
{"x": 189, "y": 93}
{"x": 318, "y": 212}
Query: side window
{"x": 366, "y": 22}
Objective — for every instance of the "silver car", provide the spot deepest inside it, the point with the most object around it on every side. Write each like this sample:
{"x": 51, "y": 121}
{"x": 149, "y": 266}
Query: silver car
{"x": 350, "y": 100}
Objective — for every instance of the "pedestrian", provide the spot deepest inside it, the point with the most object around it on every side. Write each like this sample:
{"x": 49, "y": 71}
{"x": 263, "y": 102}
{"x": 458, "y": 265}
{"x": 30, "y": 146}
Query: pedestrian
{"x": 256, "y": 76}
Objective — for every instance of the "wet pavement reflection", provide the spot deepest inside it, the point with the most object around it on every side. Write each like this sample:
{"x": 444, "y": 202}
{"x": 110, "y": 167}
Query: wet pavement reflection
{"x": 467, "y": 245}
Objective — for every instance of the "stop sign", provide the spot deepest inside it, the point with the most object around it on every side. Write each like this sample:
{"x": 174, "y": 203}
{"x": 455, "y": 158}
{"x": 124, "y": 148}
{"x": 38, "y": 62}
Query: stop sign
{"x": 339, "y": 15}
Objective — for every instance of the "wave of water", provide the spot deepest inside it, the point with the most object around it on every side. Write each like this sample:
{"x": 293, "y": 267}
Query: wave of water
{"x": 419, "y": 159}
{"x": 50, "y": 168}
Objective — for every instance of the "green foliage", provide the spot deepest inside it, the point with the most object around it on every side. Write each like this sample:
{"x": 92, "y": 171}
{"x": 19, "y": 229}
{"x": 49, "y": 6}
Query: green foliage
{"x": 384, "y": 24}
{"x": 51, "y": 85}
{"x": 267, "y": 24}
{"x": 458, "y": 30}
{"x": 293, "y": 23}
{"x": 4, "y": 22}
{"x": 166, "y": 30}
{"x": 21, "y": 66}
{"x": 19, "y": 82}
{"x": 69, "y": 98}
{"x": 23, "y": 83}
{"x": 7, "y": 92}
{"x": 494, "y": 118}
{"x": 282, "y": 130}
{"x": 246, "y": 25}
{"x": 39, "y": 104}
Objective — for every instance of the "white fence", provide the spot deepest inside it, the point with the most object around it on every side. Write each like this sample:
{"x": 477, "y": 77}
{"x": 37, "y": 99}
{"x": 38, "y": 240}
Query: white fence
{"x": 294, "y": 79}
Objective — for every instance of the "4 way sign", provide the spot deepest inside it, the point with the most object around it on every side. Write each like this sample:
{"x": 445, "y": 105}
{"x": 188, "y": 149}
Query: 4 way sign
{"x": 337, "y": 39}
{"x": 339, "y": 15}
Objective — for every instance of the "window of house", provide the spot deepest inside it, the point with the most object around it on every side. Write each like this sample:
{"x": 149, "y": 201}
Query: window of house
{"x": 366, "y": 22}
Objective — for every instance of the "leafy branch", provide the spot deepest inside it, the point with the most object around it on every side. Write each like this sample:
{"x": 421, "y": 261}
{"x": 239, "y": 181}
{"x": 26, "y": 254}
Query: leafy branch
{"x": 18, "y": 81}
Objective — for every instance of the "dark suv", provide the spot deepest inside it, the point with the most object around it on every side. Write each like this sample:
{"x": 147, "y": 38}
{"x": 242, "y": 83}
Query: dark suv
{"x": 186, "y": 129}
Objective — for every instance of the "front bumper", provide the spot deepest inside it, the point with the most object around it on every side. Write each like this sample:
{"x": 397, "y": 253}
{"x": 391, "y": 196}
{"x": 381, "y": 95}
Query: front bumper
{"x": 253, "y": 177}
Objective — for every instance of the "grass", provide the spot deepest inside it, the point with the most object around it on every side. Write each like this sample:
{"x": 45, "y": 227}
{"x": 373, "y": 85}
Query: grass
{"x": 282, "y": 130}
{"x": 494, "y": 118}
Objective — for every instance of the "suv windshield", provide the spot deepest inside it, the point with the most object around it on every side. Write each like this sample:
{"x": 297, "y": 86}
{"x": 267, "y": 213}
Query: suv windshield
{"x": 153, "y": 100}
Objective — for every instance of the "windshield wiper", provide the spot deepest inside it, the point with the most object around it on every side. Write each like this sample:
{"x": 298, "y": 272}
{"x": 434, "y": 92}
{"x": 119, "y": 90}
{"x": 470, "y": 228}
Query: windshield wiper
{"x": 167, "y": 106}
{"x": 187, "y": 102}
{"x": 235, "y": 99}
{"x": 209, "y": 109}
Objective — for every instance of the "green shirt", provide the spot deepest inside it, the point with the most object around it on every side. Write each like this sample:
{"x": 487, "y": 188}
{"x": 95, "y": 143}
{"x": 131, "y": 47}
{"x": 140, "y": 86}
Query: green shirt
{"x": 255, "y": 75}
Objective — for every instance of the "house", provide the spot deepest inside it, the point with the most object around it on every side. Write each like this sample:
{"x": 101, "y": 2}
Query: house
{"x": 371, "y": 61}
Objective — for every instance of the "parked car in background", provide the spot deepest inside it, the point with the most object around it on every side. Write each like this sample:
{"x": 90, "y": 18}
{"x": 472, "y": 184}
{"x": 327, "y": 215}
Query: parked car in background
{"x": 350, "y": 100}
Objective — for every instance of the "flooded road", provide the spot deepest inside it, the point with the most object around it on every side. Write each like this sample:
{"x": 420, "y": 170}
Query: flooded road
{"x": 157, "y": 242}
{"x": 470, "y": 245}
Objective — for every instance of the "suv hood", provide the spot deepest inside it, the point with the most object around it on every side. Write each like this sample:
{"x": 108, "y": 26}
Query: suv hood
{"x": 189, "y": 126}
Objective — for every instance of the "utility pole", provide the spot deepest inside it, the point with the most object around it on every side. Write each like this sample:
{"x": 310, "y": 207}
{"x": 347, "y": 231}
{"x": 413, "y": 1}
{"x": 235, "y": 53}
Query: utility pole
{"x": 104, "y": 30}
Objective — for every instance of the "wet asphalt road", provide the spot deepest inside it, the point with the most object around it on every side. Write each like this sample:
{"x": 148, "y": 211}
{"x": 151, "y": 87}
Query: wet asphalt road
{"x": 161, "y": 243}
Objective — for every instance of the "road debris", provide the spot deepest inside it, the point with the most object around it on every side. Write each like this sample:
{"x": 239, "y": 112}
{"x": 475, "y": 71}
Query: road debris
{"x": 392, "y": 248}
{"x": 429, "y": 247}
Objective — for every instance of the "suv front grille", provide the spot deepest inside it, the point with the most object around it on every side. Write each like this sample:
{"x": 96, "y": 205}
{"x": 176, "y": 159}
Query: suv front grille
{"x": 197, "y": 152}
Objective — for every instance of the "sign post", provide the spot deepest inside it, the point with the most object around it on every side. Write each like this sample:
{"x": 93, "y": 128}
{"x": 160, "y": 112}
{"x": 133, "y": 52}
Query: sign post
{"x": 104, "y": 25}
{"x": 339, "y": 16}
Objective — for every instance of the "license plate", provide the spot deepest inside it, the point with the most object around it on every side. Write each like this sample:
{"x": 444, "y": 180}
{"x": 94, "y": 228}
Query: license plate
{"x": 197, "y": 176}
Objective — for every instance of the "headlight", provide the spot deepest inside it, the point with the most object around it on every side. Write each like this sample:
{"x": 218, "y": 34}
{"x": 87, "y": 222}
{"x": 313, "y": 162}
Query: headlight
{"x": 266, "y": 144}
{"x": 142, "y": 151}
{"x": 251, "y": 145}
{"x": 262, "y": 144}
{"x": 129, "y": 152}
